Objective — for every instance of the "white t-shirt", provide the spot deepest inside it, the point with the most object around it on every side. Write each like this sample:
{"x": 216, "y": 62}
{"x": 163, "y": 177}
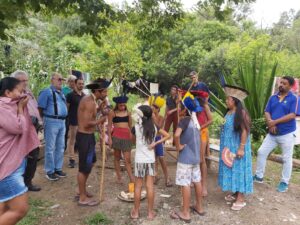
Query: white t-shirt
{"x": 143, "y": 154}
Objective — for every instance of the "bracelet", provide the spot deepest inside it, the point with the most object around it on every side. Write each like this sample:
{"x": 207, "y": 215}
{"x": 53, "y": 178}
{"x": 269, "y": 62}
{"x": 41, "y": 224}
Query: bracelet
{"x": 242, "y": 144}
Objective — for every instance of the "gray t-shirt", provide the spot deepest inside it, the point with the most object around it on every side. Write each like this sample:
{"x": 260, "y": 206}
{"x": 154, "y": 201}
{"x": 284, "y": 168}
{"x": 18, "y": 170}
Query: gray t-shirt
{"x": 190, "y": 137}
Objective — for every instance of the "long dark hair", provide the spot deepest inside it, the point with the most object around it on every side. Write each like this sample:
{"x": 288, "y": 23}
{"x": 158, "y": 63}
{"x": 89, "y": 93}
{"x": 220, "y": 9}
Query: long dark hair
{"x": 8, "y": 83}
{"x": 241, "y": 118}
{"x": 149, "y": 131}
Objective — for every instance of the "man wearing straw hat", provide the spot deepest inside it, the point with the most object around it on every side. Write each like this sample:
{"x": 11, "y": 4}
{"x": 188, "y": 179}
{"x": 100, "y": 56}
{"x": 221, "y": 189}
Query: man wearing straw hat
{"x": 85, "y": 137}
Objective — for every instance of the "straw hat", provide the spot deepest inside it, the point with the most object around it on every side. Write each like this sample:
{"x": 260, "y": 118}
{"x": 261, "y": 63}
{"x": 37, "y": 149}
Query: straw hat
{"x": 236, "y": 92}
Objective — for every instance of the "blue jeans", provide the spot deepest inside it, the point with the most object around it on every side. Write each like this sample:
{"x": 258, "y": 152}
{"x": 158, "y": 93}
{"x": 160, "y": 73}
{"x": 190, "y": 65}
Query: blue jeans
{"x": 54, "y": 133}
{"x": 286, "y": 143}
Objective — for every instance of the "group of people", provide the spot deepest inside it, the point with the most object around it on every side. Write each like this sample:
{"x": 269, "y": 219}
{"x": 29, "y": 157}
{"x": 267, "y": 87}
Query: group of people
{"x": 69, "y": 118}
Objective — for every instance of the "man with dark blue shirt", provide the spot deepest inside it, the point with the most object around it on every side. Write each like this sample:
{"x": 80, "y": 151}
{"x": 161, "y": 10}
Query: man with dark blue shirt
{"x": 197, "y": 86}
{"x": 280, "y": 115}
{"x": 53, "y": 108}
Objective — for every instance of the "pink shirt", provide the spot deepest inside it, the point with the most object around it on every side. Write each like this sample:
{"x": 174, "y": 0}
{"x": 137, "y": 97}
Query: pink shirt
{"x": 17, "y": 136}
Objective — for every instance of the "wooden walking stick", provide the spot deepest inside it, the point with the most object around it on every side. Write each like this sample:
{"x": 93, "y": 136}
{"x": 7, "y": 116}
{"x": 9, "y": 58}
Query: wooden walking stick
{"x": 103, "y": 163}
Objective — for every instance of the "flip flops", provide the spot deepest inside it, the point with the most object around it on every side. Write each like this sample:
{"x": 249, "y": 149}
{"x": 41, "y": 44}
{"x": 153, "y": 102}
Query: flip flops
{"x": 76, "y": 197}
{"x": 230, "y": 198}
{"x": 175, "y": 215}
{"x": 238, "y": 206}
{"x": 89, "y": 203}
{"x": 196, "y": 211}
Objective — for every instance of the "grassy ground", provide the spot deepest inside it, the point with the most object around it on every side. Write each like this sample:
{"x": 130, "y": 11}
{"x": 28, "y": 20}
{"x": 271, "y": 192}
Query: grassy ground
{"x": 98, "y": 218}
{"x": 38, "y": 210}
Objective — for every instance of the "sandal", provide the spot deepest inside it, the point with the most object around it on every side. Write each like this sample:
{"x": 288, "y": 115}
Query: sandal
{"x": 175, "y": 215}
{"x": 230, "y": 198}
{"x": 89, "y": 203}
{"x": 89, "y": 195}
{"x": 193, "y": 208}
{"x": 238, "y": 206}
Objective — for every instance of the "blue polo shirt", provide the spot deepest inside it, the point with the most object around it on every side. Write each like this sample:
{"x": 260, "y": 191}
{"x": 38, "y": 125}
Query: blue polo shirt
{"x": 279, "y": 109}
{"x": 46, "y": 102}
{"x": 298, "y": 108}
{"x": 200, "y": 86}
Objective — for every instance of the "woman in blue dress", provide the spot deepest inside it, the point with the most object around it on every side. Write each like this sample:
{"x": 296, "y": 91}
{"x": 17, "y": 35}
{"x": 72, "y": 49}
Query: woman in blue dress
{"x": 235, "y": 136}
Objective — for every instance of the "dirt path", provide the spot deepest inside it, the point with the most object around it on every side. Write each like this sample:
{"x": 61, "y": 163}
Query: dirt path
{"x": 266, "y": 206}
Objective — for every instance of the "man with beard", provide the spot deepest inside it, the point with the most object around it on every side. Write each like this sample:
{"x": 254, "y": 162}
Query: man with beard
{"x": 85, "y": 138}
{"x": 73, "y": 100}
{"x": 280, "y": 115}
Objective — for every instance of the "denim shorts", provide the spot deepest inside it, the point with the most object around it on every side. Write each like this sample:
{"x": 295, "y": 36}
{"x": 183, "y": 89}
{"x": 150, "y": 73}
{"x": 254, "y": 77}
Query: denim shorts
{"x": 159, "y": 149}
{"x": 13, "y": 185}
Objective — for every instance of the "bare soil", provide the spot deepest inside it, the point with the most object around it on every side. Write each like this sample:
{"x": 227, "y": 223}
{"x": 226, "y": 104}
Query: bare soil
{"x": 265, "y": 206}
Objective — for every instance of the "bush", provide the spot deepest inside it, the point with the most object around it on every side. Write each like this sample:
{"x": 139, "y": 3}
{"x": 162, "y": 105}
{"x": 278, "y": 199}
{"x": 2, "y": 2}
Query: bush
{"x": 215, "y": 127}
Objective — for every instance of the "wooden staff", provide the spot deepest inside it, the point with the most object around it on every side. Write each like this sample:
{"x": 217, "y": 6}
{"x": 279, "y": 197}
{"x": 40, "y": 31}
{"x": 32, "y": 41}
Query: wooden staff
{"x": 103, "y": 163}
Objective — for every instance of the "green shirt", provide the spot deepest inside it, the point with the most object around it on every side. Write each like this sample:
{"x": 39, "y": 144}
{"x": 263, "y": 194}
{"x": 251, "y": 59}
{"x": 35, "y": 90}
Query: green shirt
{"x": 66, "y": 90}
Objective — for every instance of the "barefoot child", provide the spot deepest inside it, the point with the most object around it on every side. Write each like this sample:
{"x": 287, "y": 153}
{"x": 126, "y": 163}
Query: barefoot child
{"x": 144, "y": 133}
{"x": 187, "y": 141}
{"x": 156, "y": 103}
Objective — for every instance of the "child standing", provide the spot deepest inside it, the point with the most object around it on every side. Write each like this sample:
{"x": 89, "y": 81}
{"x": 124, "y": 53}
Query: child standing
{"x": 144, "y": 133}
{"x": 187, "y": 141}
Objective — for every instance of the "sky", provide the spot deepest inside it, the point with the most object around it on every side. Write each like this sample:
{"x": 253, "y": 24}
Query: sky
{"x": 265, "y": 12}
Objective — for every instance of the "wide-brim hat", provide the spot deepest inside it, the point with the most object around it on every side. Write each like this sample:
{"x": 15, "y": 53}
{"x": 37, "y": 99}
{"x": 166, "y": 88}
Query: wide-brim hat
{"x": 191, "y": 103}
{"x": 228, "y": 157}
{"x": 120, "y": 99}
{"x": 158, "y": 101}
{"x": 236, "y": 92}
{"x": 98, "y": 84}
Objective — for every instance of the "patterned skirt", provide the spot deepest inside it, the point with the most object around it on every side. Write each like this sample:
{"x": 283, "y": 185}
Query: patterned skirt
{"x": 121, "y": 139}
{"x": 144, "y": 169}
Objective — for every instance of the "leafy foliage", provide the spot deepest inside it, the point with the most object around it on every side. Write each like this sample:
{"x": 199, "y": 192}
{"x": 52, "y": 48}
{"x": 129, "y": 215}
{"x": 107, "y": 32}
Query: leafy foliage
{"x": 252, "y": 78}
{"x": 96, "y": 14}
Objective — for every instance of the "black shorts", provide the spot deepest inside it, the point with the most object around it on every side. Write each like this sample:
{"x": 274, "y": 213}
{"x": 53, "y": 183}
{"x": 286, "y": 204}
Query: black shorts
{"x": 86, "y": 144}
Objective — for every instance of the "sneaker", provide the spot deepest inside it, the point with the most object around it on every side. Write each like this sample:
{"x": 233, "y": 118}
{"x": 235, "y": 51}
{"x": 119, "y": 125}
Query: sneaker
{"x": 282, "y": 187}
{"x": 71, "y": 163}
{"x": 60, "y": 174}
{"x": 52, "y": 177}
{"x": 257, "y": 179}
